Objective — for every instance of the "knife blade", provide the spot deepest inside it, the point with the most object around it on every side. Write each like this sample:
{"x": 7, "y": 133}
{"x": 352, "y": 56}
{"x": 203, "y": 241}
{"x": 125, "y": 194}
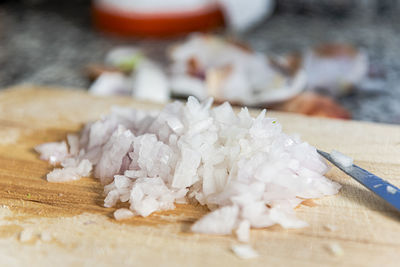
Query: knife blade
{"x": 382, "y": 188}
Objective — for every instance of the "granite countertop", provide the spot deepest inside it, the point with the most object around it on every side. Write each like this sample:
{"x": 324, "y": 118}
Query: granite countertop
{"x": 51, "y": 44}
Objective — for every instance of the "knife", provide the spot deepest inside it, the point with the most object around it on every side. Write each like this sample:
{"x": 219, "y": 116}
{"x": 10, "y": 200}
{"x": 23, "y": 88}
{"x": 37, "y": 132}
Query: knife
{"x": 382, "y": 188}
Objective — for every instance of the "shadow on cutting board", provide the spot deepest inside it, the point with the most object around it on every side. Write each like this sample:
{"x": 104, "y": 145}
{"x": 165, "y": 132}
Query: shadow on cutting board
{"x": 363, "y": 197}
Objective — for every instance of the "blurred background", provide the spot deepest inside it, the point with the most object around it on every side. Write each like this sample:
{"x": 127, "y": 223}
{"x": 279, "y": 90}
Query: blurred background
{"x": 336, "y": 58}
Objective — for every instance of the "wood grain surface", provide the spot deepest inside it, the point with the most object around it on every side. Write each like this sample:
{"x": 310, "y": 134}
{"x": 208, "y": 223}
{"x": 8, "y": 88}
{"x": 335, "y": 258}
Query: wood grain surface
{"x": 49, "y": 224}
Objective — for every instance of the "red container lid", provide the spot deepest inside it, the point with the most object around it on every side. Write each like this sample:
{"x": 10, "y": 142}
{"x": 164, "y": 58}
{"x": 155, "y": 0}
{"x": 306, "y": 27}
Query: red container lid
{"x": 128, "y": 23}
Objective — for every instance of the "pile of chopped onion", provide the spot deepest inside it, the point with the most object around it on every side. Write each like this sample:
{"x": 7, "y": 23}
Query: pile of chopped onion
{"x": 246, "y": 170}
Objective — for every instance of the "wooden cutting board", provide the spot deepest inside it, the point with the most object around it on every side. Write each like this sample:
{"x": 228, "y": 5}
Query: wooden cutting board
{"x": 48, "y": 224}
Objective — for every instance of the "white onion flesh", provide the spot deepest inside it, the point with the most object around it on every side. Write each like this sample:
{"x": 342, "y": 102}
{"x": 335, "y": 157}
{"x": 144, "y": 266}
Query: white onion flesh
{"x": 244, "y": 251}
{"x": 245, "y": 169}
{"x": 341, "y": 159}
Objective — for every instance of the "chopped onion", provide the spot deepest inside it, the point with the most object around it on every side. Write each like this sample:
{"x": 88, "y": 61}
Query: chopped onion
{"x": 53, "y": 152}
{"x": 122, "y": 214}
{"x": 246, "y": 170}
{"x": 244, "y": 251}
{"x": 45, "y": 236}
{"x": 70, "y": 173}
{"x": 335, "y": 249}
{"x": 341, "y": 159}
{"x": 243, "y": 231}
{"x": 391, "y": 189}
{"x": 26, "y": 235}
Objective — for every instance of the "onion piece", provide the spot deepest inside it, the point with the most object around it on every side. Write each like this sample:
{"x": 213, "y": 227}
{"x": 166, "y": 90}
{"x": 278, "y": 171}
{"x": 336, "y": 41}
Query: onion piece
{"x": 244, "y": 169}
